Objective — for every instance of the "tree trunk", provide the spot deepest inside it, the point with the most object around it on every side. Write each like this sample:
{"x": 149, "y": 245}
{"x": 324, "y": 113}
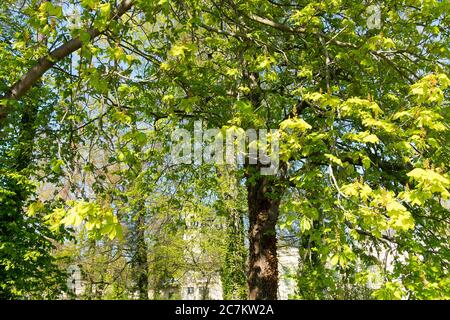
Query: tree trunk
{"x": 263, "y": 207}
{"x": 26, "y": 136}
{"x": 233, "y": 275}
{"x": 141, "y": 263}
{"x": 263, "y": 198}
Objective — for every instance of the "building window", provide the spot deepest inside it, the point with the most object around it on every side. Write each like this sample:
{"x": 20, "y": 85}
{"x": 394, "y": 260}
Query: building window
{"x": 190, "y": 290}
{"x": 195, "y": 224}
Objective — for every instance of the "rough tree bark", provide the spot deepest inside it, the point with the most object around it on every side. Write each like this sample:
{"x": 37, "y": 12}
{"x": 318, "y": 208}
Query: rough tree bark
{"x": 263, "y": 207}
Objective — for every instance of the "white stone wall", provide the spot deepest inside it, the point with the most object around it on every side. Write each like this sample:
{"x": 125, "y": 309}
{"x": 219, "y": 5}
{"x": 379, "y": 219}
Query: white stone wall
{"x": 288, "y": 262}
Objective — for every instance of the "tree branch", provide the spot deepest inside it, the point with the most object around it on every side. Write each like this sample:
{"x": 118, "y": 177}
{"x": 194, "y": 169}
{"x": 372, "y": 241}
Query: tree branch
{"x": 22, "y": 86}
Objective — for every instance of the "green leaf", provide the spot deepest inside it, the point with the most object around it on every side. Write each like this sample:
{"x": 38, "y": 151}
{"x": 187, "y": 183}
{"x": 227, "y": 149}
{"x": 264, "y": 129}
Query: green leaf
{"x": 366, "y": 162}
{"x": 295, "y": 123}
{"x": 178, "y": 51}
{"x": 334, "y": 159}
{"x": 105, "y": 9}
{"x": 85, "y": 37}
{"x": 91, "y": 4}
{"x": 334, "y": 260}
{"x": 57, "y": 165}
{"x": 305, "y": 224}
